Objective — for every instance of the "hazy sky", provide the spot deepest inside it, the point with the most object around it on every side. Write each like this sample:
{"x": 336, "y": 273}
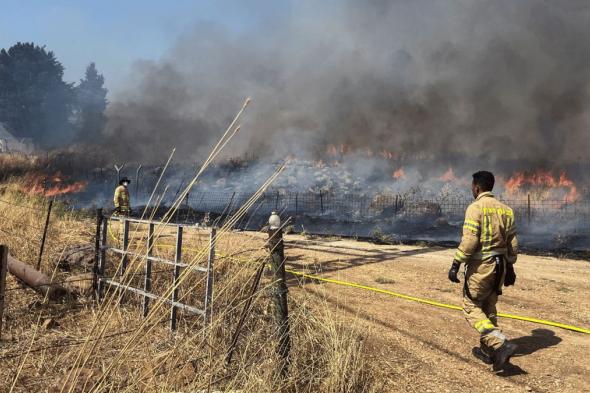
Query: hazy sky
{"x": 114, "y": 34}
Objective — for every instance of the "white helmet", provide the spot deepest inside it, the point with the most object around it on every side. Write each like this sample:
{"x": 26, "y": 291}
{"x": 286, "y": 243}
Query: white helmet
{"x": 274, "y": 221}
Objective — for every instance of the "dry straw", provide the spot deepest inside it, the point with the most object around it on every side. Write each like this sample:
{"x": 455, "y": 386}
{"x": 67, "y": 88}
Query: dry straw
{"x": 327, "y": 355}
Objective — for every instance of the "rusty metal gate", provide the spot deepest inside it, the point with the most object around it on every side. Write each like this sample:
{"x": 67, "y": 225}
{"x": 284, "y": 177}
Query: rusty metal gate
{"x": 104, "y": 224}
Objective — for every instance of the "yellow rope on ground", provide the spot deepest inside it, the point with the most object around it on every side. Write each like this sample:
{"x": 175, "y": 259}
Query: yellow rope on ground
{"x": 433, "y": 303}
{"x": 416, "y": 299}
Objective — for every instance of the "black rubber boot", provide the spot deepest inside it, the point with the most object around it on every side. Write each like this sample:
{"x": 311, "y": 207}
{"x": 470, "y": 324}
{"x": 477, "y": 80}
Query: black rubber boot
{"x": 503, "y": 354}
{"x": 481, "y": 355}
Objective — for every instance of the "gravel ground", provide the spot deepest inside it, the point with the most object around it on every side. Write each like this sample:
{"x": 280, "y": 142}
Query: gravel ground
{"x": 420, "y": 348}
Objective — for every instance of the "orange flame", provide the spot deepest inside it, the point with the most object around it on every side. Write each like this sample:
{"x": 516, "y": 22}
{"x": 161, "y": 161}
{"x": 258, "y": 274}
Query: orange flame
{"x": 387, "y": 154}
{"x": 66, "y": 189}
{"x": 448, "y": 176}
{"x": 544, "y": 181}
{"x": 331, "y": 150}
{"x": 399, "y": 174}
{"x": 53, "y": 185}
{"x": 344, "y": 149}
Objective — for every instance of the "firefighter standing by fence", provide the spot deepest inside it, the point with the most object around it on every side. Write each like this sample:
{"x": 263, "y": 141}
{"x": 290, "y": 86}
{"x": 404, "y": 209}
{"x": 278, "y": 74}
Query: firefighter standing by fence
{"x": 488, "y": 249}
{"x": 121, "y": 198}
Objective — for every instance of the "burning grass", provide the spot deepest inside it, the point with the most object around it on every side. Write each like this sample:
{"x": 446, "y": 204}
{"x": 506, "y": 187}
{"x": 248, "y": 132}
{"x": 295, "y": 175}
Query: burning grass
{"x": 92, "y": 347}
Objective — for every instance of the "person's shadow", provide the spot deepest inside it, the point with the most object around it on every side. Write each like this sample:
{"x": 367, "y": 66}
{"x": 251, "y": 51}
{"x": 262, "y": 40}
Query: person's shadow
{"x": 539, "y": 339}
{"x": 526, "y": 345}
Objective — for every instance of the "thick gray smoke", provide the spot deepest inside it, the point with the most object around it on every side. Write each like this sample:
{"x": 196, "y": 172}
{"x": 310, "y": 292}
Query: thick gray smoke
{"x": 435, "y": 79}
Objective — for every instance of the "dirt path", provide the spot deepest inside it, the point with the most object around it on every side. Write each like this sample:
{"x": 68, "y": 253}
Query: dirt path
{"x": 419, "y": 348}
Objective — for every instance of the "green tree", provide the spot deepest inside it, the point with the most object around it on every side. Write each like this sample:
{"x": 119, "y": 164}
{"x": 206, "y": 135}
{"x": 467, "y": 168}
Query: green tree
{"x": 91, "y": 104}
{"x": 35, "y": 102}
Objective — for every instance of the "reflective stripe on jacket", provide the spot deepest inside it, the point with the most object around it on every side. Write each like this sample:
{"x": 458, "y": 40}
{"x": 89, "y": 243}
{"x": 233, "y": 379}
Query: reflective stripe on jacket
{"x": 488, "y": 230}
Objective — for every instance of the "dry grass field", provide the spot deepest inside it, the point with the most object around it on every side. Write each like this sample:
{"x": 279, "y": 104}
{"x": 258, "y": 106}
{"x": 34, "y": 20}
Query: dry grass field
{"x": 81, "y": 345}
{"x": 344, "y": 339}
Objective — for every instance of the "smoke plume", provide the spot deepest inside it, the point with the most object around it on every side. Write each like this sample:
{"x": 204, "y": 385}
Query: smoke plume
{"x": 444, "y": 80}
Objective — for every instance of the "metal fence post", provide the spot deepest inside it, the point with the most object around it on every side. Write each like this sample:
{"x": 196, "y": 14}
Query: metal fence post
{"x": 361, "y": 200}
{"x": 95, "y": 268}
{"x": 177, "y": 260}
{"x": 321, "y": 202}
{"x": 147, "y": 283}
{"x": 118, "y": 169}
{"x": 137, "y": 181}
{"x": 529, "y": 208}
{"x": 246, "y": 309}
{"x": 3, "y": 269}
{"x": 209, "y": 288}
{"x": 125, "y": 246}
{"x": 102, "y": 256}
{"x": 44, "y": 234}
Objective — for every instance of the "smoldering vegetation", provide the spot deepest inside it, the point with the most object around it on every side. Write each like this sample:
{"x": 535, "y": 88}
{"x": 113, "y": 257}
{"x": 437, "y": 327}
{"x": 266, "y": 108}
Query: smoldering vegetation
{"x": 446, "y": 81}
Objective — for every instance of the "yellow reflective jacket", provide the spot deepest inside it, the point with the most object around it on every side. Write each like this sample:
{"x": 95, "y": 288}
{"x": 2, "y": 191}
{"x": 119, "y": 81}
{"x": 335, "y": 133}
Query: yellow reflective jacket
{"x": 121, "y": 198}
{"x": 488, "y": 230}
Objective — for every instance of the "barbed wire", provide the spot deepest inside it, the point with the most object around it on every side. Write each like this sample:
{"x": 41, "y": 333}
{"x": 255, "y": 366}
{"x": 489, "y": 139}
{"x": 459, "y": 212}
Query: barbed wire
{"x": 24, "y": 206}
{"x": 21, "y": 236}
{"x": 21, "y": 222}
{"x": 70, "y": 344}
{"x": 25, "y": 286}
{"x": 49, "y": 314}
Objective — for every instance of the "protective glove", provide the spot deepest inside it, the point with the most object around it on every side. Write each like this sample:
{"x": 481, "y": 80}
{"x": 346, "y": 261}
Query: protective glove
{"x": 510, "y": 277}
{"x": 454, "y": 271}
{"x": 118, "y": 210}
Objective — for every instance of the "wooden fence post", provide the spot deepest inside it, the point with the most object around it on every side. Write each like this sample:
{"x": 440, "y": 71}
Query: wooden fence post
{"x": 44, "y": 234}
{"x": 209, "y": 288}
{"x": 3, "y": 270}
{"x": 177, "y": 260}
{"x": 277, "y": 256}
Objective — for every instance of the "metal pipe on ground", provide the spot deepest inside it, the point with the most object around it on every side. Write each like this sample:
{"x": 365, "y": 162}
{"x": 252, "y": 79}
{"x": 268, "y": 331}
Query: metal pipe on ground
{"x": 36, "y": 280}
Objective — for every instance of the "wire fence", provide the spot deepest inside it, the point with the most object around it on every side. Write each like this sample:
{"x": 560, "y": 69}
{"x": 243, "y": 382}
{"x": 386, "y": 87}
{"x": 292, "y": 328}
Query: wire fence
{"x": 356, "y": 207}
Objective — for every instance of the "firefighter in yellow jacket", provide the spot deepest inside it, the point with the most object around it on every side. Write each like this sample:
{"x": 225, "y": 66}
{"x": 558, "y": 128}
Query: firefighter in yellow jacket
{"x": 488, "y": 249}
{"x": 121, "y": 198}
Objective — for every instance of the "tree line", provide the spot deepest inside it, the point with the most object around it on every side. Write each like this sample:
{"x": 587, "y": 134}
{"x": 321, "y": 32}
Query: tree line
{"x": 36, "y": 103}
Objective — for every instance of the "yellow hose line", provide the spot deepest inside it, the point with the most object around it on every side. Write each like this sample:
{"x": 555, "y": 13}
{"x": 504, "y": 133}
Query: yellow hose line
{"x": 436, "y": 304}
{"x": 413, "y": 298}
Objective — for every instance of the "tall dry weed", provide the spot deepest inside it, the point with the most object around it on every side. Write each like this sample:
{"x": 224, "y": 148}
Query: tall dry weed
{"x": 327, "y": 352}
